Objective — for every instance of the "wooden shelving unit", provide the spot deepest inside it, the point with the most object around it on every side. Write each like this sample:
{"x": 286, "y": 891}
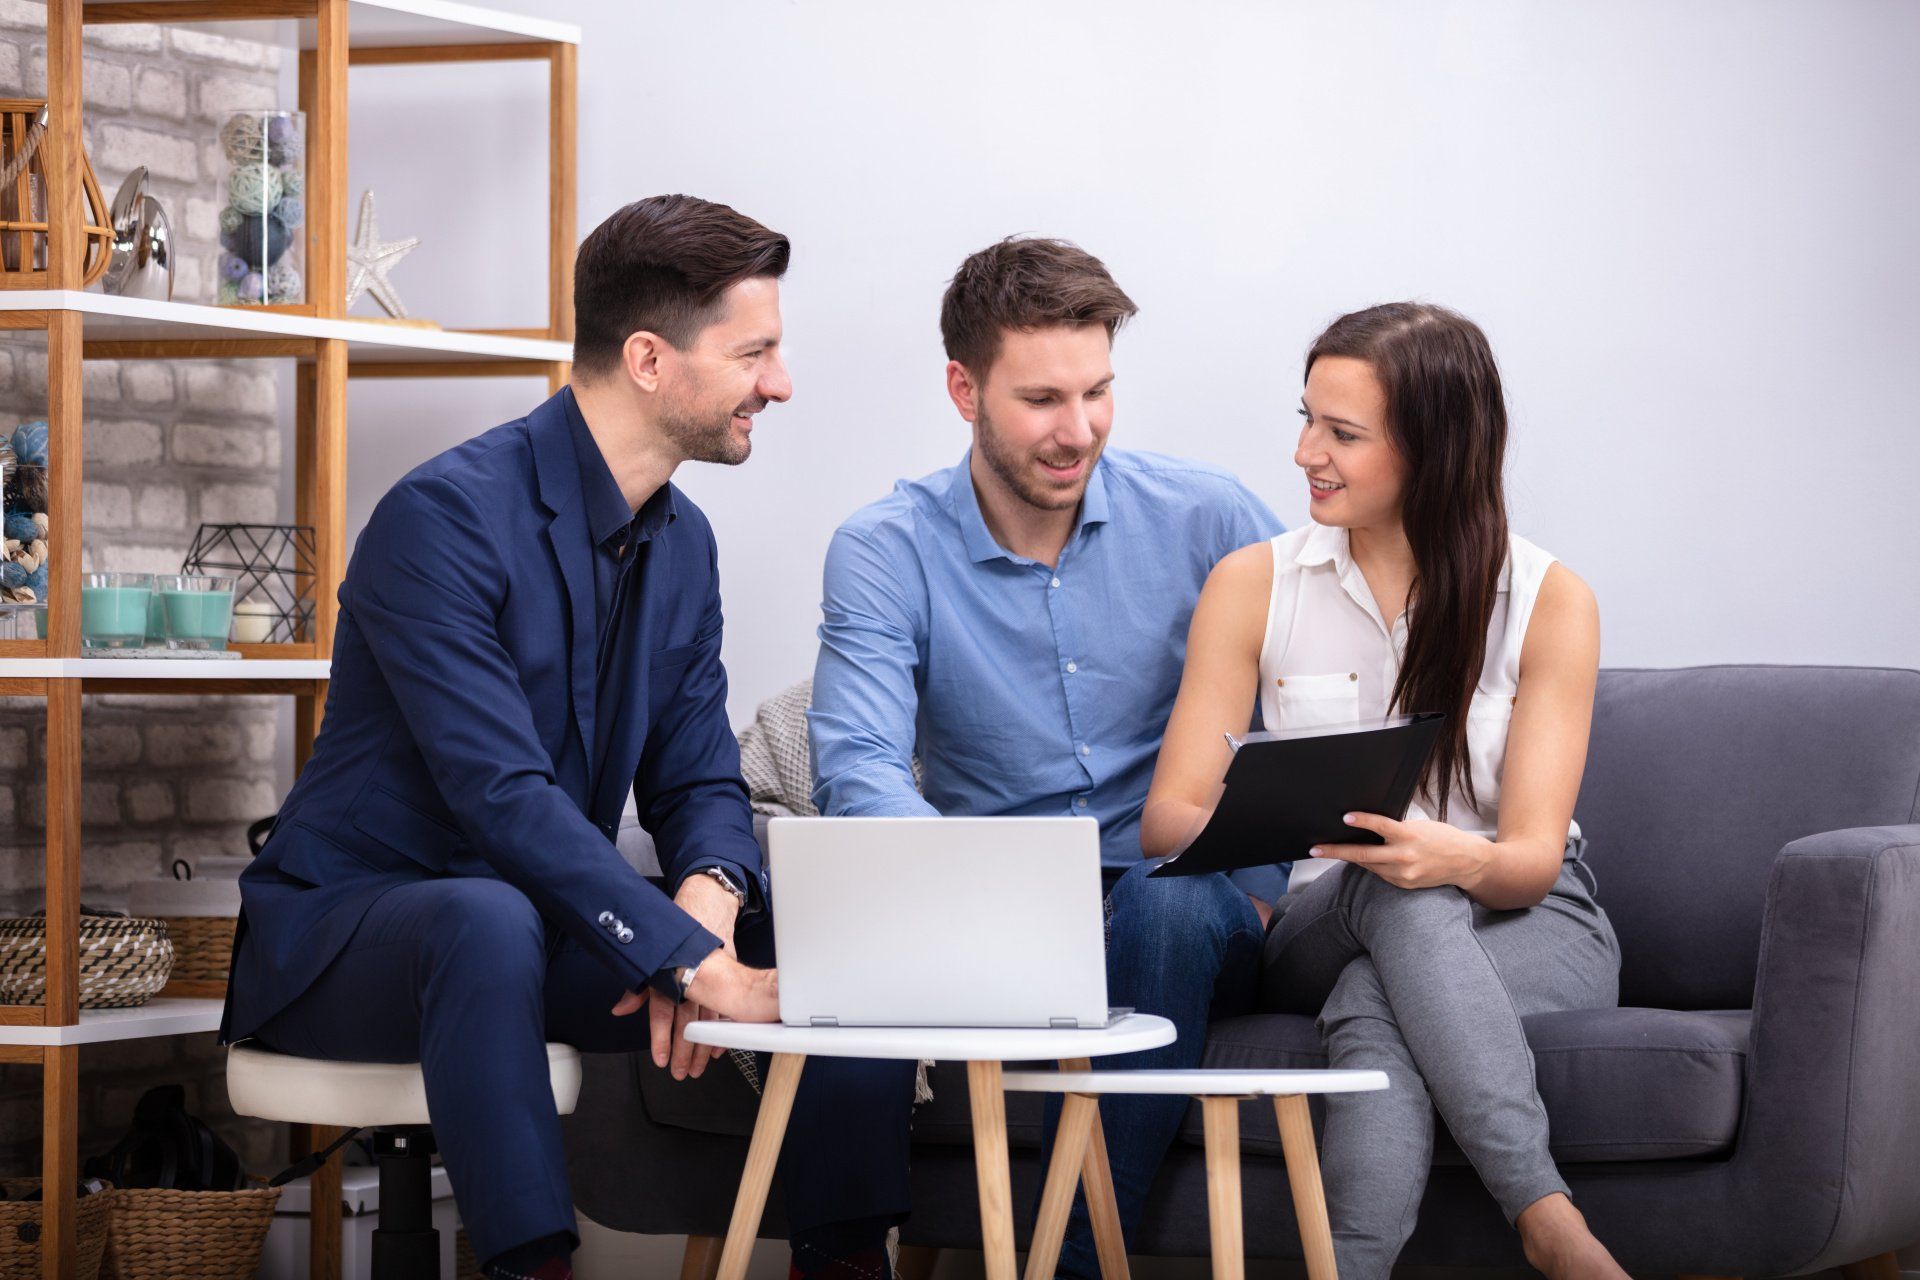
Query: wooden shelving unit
{"x": 329, "y": 348}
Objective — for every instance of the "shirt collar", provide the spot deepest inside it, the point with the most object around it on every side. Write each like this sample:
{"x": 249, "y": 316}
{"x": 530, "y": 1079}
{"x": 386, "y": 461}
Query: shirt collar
{"x": 608, "y": 515}
{"x": 1095, "y": 508}
{"x": 1329, "y": 544}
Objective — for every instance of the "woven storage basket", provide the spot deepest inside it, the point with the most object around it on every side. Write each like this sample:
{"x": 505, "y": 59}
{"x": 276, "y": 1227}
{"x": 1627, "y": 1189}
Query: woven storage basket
{"x": 202, "y": 946}
{"x": 123, "y": 961}
{"x": 20, "y": 1231}
{"x": 156, "y": 1233}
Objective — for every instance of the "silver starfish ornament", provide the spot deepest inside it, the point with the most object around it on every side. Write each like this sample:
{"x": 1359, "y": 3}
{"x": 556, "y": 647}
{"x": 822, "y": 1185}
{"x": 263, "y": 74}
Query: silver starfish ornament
{"x": 368, "y": 261}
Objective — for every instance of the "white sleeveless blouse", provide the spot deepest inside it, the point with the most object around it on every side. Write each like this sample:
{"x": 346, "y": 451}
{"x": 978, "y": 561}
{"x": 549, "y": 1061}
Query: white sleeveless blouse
{"x": 1329, "y": 658}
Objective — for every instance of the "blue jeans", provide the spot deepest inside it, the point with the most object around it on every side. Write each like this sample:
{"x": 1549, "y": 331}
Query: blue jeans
{"x": 1187, "y": 948}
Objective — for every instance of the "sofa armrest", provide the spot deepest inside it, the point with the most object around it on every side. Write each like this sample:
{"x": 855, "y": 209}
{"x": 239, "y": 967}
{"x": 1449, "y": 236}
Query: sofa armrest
{"x": 1833, "y": 1091}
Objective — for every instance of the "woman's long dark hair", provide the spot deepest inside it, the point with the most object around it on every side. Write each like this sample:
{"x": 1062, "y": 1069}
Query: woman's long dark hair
{"x": 1448, "y": 419}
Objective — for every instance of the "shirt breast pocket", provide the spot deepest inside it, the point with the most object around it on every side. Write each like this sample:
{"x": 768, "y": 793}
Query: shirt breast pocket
{"x": 1309, "y": 701}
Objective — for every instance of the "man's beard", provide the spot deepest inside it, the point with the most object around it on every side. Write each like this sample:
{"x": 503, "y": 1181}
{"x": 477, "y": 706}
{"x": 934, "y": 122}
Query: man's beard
{"x": 1016, "y": 471}
{"x": 706, "y": 435}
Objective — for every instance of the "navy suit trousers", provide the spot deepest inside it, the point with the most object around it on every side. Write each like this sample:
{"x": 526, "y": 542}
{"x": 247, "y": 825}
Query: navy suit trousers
{"x": 463, "y": 976}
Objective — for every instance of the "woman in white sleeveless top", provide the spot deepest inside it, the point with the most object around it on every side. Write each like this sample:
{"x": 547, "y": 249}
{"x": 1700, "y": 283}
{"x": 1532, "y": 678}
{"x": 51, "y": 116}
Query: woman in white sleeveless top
{"x": 1420, "y": 956}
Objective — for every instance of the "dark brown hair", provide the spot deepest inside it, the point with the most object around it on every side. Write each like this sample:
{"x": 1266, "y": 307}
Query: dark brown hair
{"x": 1447, "y": 417}
{"x": 660, "y": 265}
{"x": 1025, "y": 283}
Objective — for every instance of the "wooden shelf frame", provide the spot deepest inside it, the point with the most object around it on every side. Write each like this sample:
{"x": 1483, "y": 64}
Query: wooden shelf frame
{"x": 329, "y": 348}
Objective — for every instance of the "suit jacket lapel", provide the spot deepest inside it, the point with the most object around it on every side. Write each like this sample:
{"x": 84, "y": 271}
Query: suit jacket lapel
{"x": 558, "y": 473}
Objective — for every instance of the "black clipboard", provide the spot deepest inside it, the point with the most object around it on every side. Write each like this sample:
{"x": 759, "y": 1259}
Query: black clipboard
{"x": 1287, "y": 792}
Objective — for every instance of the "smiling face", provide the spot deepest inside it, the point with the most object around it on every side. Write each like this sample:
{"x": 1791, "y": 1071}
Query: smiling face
{"x": 1042, "y": 414}
{"x": 1355, "y": 475}
{"x": 733, "y": 369}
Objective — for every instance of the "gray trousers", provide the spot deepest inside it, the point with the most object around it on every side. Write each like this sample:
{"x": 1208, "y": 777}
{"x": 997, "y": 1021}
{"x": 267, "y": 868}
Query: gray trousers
{"x": 1429, "y": 987}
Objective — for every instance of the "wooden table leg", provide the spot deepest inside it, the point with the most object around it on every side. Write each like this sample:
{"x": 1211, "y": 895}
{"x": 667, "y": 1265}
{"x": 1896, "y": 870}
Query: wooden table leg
{"x": 1096, "y": 1180}
{"x": 1077, "y": 1114}
{"x": 1222, "y": 1117}
{"x": 763, "y": 1153}
{"x": 1303, "y": 1175}
{"x": 990, "y": 1163}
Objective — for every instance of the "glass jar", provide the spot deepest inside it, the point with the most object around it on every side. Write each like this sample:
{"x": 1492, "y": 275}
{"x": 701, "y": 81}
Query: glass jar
{"x": 262, "y": 199}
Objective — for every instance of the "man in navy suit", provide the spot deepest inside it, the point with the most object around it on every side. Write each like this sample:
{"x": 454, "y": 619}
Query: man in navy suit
{"x": 529, "y": 630}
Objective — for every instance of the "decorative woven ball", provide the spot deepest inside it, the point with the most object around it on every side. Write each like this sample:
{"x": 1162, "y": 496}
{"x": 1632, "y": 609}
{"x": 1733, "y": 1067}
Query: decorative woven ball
{"x": 37, "y": 582}
{"x": 30, "y": 445}
{"x": 284, "y": 283}
{"x": 243, "y": 139}
{"x": 253, "y": 287}
{"x": 12, "y": 575}
{"x": 230, "y": 219}
{"x": 293, "y": 183}
{"x": 20, "y": 527}
{"x": 253, "y": 188}
{"x": 259, "y": 241}
{"x": 229, "y": 293}
{"x": 291, "y": 210}
{"x": 232, "y": 268}
{"x": 283, "y": 139}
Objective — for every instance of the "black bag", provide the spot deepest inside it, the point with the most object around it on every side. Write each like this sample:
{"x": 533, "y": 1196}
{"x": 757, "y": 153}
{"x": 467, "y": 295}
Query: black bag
{"x": 166, "y": 1147}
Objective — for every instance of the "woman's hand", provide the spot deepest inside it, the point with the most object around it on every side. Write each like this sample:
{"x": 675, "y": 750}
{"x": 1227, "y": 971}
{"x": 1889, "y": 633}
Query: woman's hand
{"x": 1421, "y": 854}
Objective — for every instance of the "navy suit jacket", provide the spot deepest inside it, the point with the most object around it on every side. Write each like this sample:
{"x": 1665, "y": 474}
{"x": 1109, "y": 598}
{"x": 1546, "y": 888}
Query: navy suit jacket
{"x": 460, "y": 721}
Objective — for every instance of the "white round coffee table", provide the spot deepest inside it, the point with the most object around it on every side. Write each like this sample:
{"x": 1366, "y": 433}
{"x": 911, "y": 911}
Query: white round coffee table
{"x": 983, "y": 1049}
{"x": 1220, "y": 1094}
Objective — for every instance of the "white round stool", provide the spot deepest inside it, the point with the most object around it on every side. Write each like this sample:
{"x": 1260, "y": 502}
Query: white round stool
{"x": 391, "y": 1099}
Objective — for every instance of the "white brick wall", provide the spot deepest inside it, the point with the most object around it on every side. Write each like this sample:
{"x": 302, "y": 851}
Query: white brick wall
{"x": 167, "y": 446}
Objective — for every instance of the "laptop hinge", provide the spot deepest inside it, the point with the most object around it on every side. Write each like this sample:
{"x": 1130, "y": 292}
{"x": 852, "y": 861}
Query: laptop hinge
{"x": 823, "y": 1022}
{"x": 1067, "y": 1024}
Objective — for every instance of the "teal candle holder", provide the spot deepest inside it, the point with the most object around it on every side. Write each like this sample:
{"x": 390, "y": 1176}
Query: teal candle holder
{"x": 113, "y": 610}
{"x": 198, "y": 609}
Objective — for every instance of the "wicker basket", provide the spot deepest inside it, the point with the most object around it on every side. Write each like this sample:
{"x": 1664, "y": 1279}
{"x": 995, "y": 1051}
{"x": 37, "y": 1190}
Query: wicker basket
{"x": 202, "y": 947}
{"x": 159, "y": 1234}
{"x": 123, "y": 961}
{"x": 20, "y": 1231}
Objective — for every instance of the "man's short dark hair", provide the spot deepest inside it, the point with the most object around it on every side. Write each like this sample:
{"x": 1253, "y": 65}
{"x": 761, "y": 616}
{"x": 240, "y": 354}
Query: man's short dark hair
{"x": 660, "y": 265}
{"x": 1025, "y": 283}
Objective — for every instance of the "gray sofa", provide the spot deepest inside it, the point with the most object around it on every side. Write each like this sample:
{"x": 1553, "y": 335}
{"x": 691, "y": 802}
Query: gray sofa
{"x": 1752, "y": 1109}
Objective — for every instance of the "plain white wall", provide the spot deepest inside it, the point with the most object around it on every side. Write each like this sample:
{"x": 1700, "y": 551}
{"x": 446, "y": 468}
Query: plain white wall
{"x": 1690, "y": 231}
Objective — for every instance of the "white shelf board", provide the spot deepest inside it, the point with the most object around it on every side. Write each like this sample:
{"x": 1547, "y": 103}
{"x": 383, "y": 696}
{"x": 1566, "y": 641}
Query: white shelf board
{"x": 161, "y": 1016}
{"x": 111, "y": 318}
{"x": 373, "y": 24}
{"x": 165, "y": 668}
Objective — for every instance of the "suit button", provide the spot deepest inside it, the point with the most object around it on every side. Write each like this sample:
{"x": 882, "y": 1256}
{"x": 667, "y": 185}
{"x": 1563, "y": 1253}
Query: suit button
{"x": 625, "y": 934}
{"x": 607, "y": 920}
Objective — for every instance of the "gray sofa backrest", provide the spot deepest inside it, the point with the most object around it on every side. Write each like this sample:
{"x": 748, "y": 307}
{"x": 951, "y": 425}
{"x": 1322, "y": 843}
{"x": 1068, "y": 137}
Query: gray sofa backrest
{"x": 1695, "y": 780}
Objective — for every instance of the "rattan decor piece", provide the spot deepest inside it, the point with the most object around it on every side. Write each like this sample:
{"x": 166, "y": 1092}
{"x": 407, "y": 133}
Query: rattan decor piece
{"x": 123, "y": 961}
{"x": 23, "y": 236}
{"x": 156, "y": 1233}
{"x": 202, "y": 947}
{"x": 20, "y": 1228}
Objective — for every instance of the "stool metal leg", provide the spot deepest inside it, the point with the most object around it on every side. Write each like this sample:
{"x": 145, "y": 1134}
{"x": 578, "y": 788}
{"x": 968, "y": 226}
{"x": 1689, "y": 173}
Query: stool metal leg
{"x": 405, "y": 1245}
{"x": 1303, "y": 1175}
{"x": 1077, "y": 1114}
{"x": 763, "y": 1153}
{"x": 1222, "y": 1118}
{"x": 990, "y": 1163}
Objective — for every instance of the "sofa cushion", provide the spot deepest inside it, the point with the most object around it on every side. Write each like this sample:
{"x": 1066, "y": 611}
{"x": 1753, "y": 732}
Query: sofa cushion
{"x": 1619, "y": 1084}
{"x": 1697, "y": 778}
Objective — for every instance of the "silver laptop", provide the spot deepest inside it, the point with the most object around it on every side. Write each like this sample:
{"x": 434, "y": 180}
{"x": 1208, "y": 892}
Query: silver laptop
{"x": 939, "y": 922}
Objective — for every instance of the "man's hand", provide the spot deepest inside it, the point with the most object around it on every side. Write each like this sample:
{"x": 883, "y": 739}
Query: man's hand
{"x": 1421, "y": 854}
{"x": 707, "y": 901}
{"x": 722, "y": 986}
{"x": 1264, "y": 910}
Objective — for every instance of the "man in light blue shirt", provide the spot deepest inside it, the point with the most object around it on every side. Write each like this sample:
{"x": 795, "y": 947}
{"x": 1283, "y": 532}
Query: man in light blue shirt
{"x": 1021, "y": 620}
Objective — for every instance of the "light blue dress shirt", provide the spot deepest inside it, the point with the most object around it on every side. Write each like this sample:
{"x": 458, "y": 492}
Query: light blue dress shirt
{"x": 1027, "y": 690}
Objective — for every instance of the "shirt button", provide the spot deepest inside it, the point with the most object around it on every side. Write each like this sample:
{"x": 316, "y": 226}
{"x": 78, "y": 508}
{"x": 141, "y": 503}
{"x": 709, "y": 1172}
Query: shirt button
{"x": 1072, "y": 667}
{"x": 1054, "y": 583}
{"x": 1081, "y": 802}
{"x": 1085, "y": 750}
